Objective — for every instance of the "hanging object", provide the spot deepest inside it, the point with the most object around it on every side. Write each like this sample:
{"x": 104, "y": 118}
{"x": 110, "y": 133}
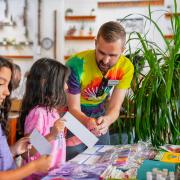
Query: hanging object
{"x": 26, "y": 33}
{"x": 6, "y": 11}
{"x": 47, "y": 43}
{"x": 39, "y": 23}
{"x": 55, "y": 31}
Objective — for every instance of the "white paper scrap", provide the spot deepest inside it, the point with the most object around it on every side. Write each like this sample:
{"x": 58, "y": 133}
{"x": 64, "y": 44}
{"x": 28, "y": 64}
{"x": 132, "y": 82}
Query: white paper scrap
{"x": 79, "y": 130}
{"x": 92, "y": 150}
{"x": 40, "y": 143}
{"x": 93, "y": 159}
{"x": 80, "y": 158}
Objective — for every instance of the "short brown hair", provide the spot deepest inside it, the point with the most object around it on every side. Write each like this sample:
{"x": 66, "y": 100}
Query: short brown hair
{"x": 112, "y": 31}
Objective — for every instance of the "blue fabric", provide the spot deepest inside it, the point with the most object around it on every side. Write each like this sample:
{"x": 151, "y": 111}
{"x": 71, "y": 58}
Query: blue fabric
{"x": 122, "y": 138}
{"x": 6, "y": 159}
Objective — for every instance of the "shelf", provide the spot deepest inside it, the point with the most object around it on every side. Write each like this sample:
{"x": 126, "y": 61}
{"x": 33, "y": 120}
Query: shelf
{"x": 129, "y": 3}
{"x": 2, "y": 24}
{"x": 18, "y": 56}
{"x": 67, "y": 57}
{"x": 169, "y": 15}
{"x": 80, "y": 18}
{"x": 79, "y": 37}
{"x": 169, "y": 36}
{"x": 7, "y": 43}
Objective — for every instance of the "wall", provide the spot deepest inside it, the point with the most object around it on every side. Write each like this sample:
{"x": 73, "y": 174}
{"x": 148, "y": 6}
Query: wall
{"x": 47, "y": 30}
{"x": 108, "y": 14}
{"x": 80, "y": 7}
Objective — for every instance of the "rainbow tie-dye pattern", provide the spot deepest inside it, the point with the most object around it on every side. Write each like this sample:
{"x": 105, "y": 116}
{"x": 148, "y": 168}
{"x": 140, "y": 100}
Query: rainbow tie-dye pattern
{"x": 86, "y": 77}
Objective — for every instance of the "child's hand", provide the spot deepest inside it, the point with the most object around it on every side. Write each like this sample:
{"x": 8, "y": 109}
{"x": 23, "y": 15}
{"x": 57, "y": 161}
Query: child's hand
{"x": 58, "y": 127}
{"x": 20, "y": 146}
{"x": 42, "y": 164}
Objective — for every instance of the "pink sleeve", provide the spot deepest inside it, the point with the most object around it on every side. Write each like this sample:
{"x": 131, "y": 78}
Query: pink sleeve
{"x": 35, "y": 119}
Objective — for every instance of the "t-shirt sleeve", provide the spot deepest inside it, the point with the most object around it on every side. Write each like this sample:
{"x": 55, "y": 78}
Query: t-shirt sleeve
{"x": 74, "y": 84}
{"x": 125, "y": 82}
{"x": 35, "y": 119}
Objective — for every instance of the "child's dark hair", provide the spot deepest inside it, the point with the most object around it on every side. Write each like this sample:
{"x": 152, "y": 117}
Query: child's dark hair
{"x": 44, "y": 86}
{"x": 5, "y": 107}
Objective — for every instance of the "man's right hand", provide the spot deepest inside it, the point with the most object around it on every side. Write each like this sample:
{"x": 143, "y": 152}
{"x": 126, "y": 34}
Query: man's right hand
{"x": 92, "y": 126}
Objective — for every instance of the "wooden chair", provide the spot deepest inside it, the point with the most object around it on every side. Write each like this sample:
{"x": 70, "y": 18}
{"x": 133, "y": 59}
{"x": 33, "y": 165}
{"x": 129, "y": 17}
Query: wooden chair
{"x": 13, "y": 120}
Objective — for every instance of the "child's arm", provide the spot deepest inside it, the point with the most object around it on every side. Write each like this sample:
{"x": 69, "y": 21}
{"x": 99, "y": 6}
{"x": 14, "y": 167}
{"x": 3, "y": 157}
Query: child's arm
{"x": 40, "y": 165}
{"x": 20, "y": 146}
{"x": 58, "y": 127}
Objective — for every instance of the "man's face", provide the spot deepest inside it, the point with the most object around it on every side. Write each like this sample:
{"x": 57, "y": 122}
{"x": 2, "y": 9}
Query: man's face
{"x": 107, "y": 53}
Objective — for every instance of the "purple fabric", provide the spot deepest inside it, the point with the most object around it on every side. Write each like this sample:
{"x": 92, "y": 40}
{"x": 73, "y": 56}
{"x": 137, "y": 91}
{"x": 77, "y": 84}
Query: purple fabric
{"x": 6, "y": 159}
{"x": 73, "y": 84}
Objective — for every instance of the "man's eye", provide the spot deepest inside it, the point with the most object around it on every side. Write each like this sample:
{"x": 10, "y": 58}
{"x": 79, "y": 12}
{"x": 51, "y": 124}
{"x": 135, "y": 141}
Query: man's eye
{"x": 113, "y": 56}
{"x": 101, "y": 53}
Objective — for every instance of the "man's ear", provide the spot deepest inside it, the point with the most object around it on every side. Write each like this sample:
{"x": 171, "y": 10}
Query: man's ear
{"x": 123, "y": 49}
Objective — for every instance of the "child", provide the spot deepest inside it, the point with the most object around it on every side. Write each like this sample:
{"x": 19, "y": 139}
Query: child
{"x": 7, "y": 164}
{"x": 44, "y": 94}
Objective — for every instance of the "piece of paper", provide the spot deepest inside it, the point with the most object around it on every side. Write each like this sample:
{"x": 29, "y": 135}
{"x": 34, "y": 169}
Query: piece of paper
{"x": 106, "y": 148}
{"x": 93, "y": 159}
{"x": 40, "y": 143}
{"x": 79, "y": 130}
{"x": 92, "y": 150}
{"x": 80, "y": 158}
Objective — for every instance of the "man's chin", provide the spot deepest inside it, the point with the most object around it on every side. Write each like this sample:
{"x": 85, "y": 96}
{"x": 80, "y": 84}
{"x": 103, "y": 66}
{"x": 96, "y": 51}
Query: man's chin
{"x": 103, "y": 69}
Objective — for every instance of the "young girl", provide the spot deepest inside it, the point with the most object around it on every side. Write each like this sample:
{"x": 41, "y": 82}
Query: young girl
{"x": 44, "y": 94}
{"x": 7, "y": 164}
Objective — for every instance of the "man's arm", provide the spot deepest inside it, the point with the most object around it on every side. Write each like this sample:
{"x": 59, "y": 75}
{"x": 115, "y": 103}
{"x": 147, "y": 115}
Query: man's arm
{"x": 74, "y": 108}
{"x": 113, "y": 110}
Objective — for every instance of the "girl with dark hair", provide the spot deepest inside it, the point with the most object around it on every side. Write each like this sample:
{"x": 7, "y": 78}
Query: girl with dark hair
{"x": 7, "y": 164}
{"x": 45, "y": 93}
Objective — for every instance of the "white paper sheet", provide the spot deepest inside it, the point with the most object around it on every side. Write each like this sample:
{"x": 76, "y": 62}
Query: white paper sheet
{"x": 79, "y": 130}
{"x": 80, "y": 158}
{"x": 40, "y": 143}
{"x": 92, "y": 150}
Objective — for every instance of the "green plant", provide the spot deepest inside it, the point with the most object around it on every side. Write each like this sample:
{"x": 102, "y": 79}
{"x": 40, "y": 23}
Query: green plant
{"x": 157, "y": 98}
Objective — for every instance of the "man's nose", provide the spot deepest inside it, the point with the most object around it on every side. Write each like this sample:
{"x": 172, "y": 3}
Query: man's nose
{"x": 106, "y": 59}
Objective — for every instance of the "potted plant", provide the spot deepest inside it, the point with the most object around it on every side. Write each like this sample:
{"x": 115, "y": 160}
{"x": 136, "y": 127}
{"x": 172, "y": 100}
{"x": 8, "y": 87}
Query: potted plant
{"x": 157, "y": 98}
{"x": 81, "y": 32}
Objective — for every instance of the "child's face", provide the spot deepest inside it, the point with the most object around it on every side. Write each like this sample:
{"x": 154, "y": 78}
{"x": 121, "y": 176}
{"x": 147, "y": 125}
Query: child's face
{"x": 5, "y": 77}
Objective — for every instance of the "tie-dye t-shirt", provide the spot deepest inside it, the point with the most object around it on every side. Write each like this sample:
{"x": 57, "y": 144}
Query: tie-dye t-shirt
{"x": 86, "y": 77}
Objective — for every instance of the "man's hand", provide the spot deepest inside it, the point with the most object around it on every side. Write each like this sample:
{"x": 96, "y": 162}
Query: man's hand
{"x": 91, "y": 124}
{"x": 103, "y": 124}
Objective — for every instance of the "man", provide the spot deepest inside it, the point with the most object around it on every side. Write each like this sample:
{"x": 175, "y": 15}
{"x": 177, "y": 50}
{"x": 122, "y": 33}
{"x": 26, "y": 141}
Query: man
{"x": 93, "y": 74}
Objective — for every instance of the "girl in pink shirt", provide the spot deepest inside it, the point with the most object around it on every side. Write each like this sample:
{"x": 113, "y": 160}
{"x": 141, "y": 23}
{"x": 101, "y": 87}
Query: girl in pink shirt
{"x": 44, "y": 94}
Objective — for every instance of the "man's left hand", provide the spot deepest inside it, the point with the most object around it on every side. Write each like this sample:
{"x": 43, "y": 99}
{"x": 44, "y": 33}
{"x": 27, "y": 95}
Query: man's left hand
{"x": 103, "y": 124}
